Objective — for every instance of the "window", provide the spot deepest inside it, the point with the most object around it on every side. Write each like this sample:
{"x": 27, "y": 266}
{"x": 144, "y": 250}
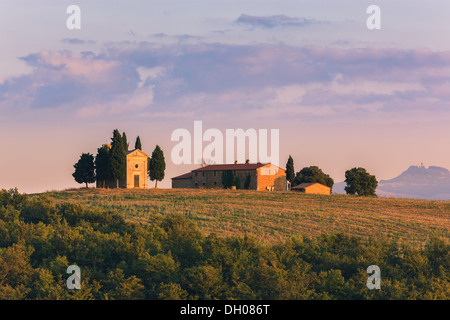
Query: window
{"x": 136, "y": 166}
{"x": 214, "y": 173}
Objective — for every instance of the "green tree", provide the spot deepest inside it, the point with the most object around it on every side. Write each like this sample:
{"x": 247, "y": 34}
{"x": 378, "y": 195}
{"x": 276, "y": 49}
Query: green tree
{"x": 119, "y": 287}
{"x": 157, "y": 165}
{"x": 313, "y": 174}
{"x": 102, "y": 165}
{"x": 227, "y": 179}
{"x": 360, "y": 182}
{"x": 290, "y": 172}
{"x": 204, "y": 282}
{"x": 85, "y": 169}
{"x": 118, "y": 158}
{"x": 124, "y": 142}
{"x": 138, "y": 144}
{"x": 172, "y": 291}
{"x": 247, "y": 182}
{"x": 237, "y": 182}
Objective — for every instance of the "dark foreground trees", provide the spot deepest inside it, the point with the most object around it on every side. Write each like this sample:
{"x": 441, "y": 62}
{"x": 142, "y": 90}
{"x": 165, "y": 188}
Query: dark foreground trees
{"x": 169, "y": 258}
{"x": 85, "y": 169}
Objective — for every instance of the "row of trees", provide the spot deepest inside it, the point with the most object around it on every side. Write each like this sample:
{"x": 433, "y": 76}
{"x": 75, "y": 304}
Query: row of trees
{"x": 230, "y": 180}
{"x": 110, "y": 163}
{"x": 169, "y": 258}
{"x": 358, "y": 180}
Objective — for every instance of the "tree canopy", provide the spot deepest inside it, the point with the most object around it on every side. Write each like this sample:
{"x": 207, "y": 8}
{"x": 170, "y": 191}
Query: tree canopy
{"x": 157, "y": 165}
{"x": 313, "y": 174}
{"x": 118, "y": 159}
{"x": 227, "y": 179}
{"x": 85, "y": 169}
{"x": 290, "y": 172}
{"x": 124, "y": 141}
{"x": 360, "y": 182}
{"x": 102, "y": 165}
{"x": 138, "y": 144}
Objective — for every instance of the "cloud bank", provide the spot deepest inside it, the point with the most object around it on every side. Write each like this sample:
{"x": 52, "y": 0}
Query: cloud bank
{"x": 210, "y": 79}
{"x": 275, "y": 21}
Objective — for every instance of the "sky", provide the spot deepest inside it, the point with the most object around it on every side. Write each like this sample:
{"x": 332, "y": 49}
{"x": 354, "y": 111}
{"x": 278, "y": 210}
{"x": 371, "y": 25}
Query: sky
{"x": 341, "y": 95}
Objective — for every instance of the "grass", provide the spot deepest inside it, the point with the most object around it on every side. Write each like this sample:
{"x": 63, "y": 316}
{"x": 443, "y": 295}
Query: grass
{"x": 273, "y": 216}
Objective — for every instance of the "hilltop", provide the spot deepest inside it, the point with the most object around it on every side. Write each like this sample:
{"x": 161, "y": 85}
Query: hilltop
{"x": 273, "y": 216}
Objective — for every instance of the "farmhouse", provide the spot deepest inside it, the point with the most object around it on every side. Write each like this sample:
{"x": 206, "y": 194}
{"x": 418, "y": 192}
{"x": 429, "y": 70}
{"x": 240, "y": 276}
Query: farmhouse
{"x": 136, "y": 171}
{"x": 262, "y": 176}
{"x": 312, "y": 188}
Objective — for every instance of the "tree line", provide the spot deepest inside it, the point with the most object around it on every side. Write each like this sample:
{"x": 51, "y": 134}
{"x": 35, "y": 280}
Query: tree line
{"x": 110, "y": 163}
{"x": 358, "y": 180}
{"x": 169, "y": 258}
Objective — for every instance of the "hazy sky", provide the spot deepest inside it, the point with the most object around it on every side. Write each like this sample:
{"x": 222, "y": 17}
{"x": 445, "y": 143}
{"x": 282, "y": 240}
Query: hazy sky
{"x": 340, "y": 94}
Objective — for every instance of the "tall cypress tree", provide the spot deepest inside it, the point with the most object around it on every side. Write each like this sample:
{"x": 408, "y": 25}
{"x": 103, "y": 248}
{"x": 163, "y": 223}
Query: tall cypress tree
{"x": 138, "y": 144}
{"x": 102, "y": 165}
{"x": 157, "y": 165}
{"x": 118, "y": 159}
{"x": 124, "y": 141}
{"x": 290, "y": 172}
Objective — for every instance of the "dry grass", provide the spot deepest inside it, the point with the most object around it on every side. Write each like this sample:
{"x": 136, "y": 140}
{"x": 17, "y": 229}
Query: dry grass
{"x": 272, "y": 216}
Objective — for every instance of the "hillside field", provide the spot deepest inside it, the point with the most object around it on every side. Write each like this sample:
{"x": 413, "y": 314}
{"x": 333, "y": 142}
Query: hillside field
{"x": 273, "y": 216}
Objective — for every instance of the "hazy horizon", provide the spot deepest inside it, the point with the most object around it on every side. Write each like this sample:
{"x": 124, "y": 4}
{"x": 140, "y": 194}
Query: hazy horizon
{"x": 341, "y": 95}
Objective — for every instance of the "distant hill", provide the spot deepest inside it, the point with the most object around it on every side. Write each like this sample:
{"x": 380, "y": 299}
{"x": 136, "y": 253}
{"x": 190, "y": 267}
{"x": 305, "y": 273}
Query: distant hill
{"x": 432, "y": 183}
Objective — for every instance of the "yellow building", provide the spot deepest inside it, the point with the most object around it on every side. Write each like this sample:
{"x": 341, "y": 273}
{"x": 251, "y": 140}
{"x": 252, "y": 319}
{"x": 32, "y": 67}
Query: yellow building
{"x": 136, "y": 172}
{"x": 312, "y": 188}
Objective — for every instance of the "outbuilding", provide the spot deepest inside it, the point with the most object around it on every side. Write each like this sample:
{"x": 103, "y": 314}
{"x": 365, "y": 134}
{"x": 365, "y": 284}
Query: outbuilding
{"x": 312, "y": 188}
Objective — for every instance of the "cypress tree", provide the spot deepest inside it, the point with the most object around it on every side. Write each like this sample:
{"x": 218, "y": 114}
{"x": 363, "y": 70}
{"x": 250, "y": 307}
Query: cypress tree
{"x": 85, "y": 169}
{"x": 290, "y": 172}
{"x": 102, "y": 165}
{"x": 118, "y": 158}
{"x": 157, "y": 165}
{"x": 138, "y": 144}
{"x": 124, "y": 142}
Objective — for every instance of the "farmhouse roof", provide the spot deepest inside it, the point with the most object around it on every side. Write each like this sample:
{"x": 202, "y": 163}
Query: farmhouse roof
{"x": 237, "y": 166}
{"x": 183, "y": 176}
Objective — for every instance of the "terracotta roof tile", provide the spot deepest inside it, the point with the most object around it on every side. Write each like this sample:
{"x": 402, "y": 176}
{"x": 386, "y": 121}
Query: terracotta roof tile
{"x": 239, "y": 166}
{"x": 184, "y": 176}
